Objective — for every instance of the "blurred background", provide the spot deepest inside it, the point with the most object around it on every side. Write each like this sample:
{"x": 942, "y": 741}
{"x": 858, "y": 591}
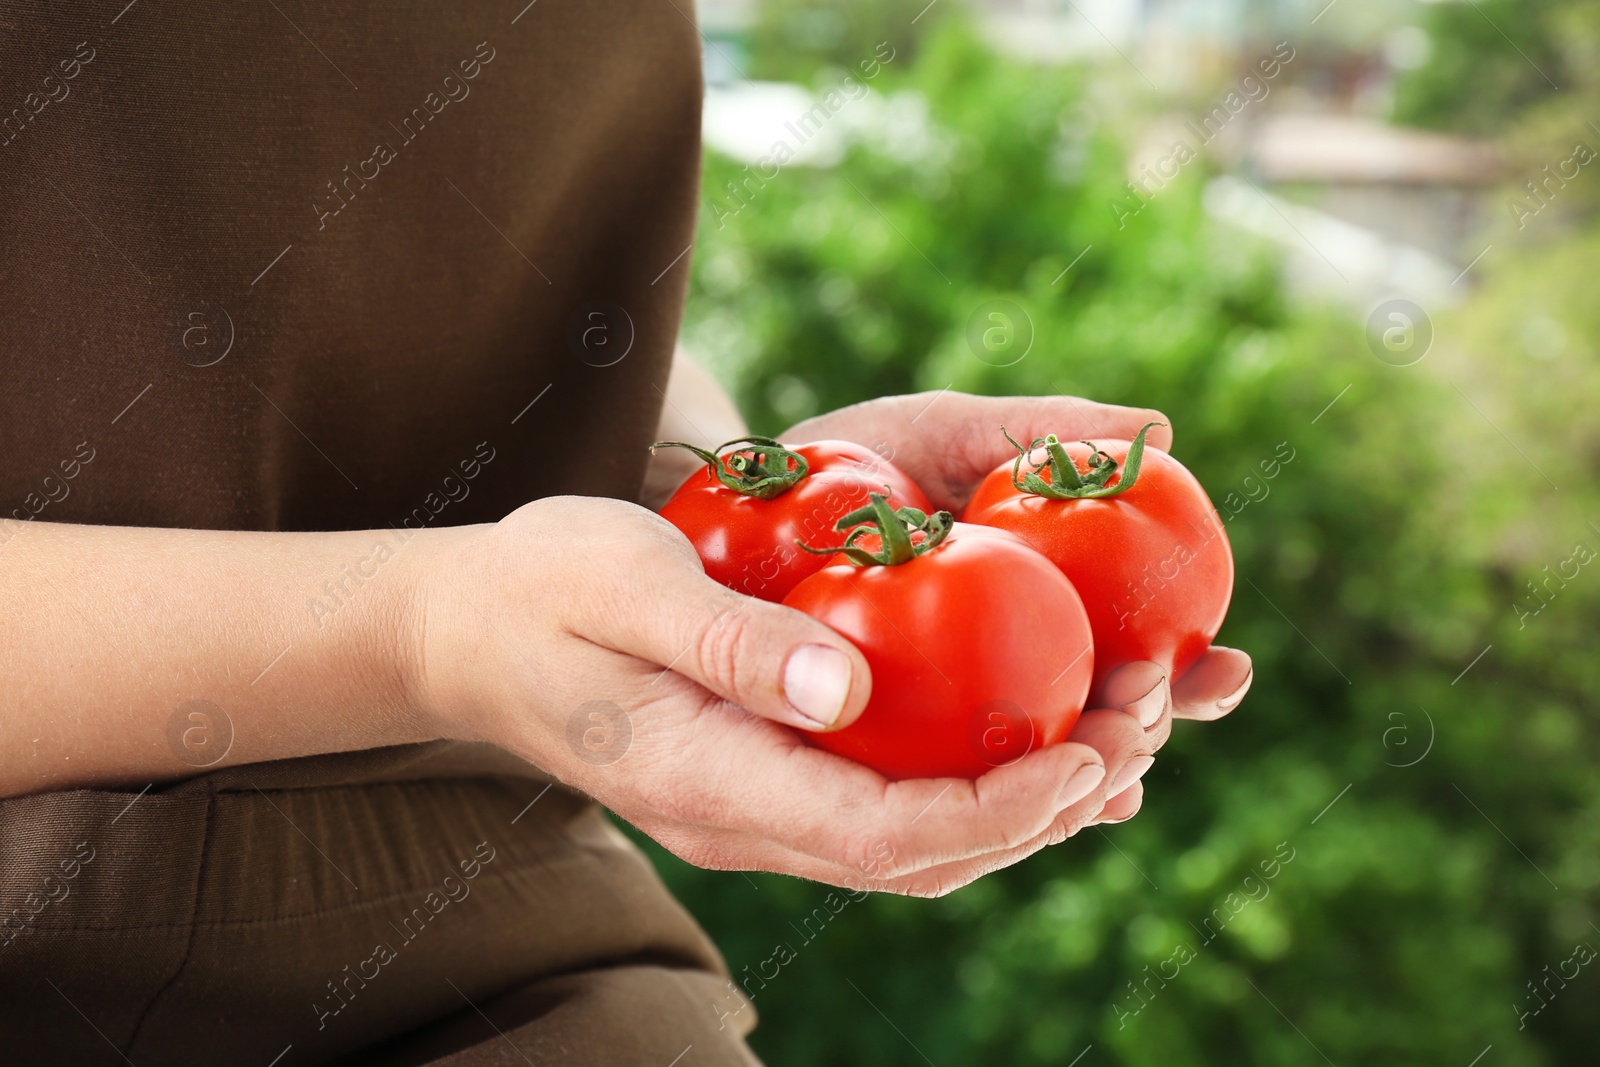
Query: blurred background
{"x": 1359, "y": 234}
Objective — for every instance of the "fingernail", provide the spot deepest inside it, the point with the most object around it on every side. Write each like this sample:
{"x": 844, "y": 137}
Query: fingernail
{"x": 1133, "y": 790}
{"x": 1235, "y": 698}
{"x": 1148, "y": 708}
{"x": 1081, "y": 784}
{"x": 816, "y": 683}
{"x": 1131, "y": 772}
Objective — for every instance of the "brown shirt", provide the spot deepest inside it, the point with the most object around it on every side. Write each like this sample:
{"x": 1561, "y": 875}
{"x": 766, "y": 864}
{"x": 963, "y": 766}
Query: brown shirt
{"x": 289, "y": 266}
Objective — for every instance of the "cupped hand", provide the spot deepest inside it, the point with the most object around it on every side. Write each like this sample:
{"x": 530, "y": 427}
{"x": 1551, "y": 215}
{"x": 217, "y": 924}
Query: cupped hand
{"x": 583, "y": 635}
{"x": 948, "y": 442}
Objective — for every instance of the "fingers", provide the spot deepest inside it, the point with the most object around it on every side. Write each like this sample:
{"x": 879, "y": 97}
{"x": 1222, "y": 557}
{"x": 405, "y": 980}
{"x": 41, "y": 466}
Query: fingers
{"x": 948, "y": 442}
{"x": 1214, "y": 686}
{"x": 831, "y": 809}
{"x": 935, "y": 822}
{"x": 1122, "y": 807}
{"x": 1141, "y": 690}
{"x": 896, "y": 857}
{"x": 1073, "y": 418}
{"x": 1121, "y": 742}
{"x": 878, "y": 870}
{"x": 1125, "y": 746}
{"x": 947, "y": 877}
{"x": 970, "y": 444}
{"x": 743, "y": 851}
{"x": 771, "y": 660}
{"x": 907, "y": 850}
{"x": 937, "y": 881}
{"x": 1157, "y": 736}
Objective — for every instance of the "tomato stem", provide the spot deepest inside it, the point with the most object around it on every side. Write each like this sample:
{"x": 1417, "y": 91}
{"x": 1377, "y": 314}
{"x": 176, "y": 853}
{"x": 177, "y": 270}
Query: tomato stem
{"x": 1066, "y": 482}
{"x": 894, "y": 529}
{"x": 762, "y": 468}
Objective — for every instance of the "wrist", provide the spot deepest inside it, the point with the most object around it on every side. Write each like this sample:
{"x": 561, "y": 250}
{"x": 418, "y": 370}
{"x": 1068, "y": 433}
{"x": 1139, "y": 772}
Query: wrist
{"x": 395, "y": 636}
{"x": 411, "y": 630}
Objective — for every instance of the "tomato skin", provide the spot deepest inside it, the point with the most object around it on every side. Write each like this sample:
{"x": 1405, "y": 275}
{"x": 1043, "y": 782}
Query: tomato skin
{"x": 1152, "y": 564}
{"x": 748, "y": 544}
{"x": 979, "y": 649}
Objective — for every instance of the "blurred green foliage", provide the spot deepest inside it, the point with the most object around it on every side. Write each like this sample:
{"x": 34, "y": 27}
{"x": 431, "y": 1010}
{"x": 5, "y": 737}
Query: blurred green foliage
{"x": 1460, "y": 856}
{"x": 795, "y": 39}
{"x": 1490, "y": 59}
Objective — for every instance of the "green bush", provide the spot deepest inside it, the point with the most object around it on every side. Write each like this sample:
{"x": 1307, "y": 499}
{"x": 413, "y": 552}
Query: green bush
{"x": 1461, "y": 852}
{"x": 1490, "y": 60}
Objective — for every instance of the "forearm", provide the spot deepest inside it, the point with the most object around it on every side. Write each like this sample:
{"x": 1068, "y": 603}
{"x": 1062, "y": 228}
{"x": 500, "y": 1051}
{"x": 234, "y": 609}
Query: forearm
{"x": 303, "y": 640}
{"x": 305, "y": 643}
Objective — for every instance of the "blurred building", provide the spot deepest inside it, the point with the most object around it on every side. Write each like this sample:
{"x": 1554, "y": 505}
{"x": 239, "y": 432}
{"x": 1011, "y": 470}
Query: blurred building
{"x": 1427, "y": 189}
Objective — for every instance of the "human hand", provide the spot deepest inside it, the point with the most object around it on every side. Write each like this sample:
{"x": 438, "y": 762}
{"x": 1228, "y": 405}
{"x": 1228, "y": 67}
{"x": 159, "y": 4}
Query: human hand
{"x": 578, "y": 620}
{"x": 949, "y": 442}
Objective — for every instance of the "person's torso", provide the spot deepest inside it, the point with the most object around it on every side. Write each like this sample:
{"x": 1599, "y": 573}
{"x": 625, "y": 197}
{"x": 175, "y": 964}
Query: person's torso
{"x": 296, "y": 266}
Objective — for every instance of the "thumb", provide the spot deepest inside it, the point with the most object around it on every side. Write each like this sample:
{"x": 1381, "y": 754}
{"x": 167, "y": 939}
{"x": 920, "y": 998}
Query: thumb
{"x": 774, "y": 661}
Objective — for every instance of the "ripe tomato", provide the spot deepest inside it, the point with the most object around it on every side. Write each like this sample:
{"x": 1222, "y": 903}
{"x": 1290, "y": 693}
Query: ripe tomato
{"x": 979, "y": 647}
{"x": 746, "y": 511}
{"x": 1135, "y": 533}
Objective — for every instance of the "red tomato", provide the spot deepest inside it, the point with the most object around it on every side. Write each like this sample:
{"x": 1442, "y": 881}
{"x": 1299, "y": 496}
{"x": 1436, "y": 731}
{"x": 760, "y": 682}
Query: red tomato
{"x": 750, "y": 506}
{"x": 1141, "y": 543}
{"x": 979, "y": 650}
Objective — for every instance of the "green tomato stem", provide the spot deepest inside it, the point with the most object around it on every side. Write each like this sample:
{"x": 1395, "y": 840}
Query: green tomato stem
{"x": 894, "y": 529}
{"x": 1066, "y": 482}
{"x": 762, "y": 468}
